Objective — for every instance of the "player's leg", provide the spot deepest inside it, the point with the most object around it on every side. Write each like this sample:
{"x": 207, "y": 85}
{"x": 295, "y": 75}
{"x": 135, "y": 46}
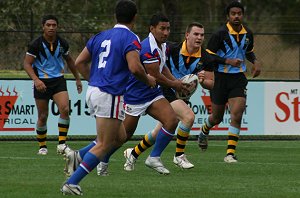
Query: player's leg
{"x": 131, "y": 154}
{"x": 41, "y": 126}
{"x": 74, "y": 158}
{"x": 147, "y": 141}
{"x": 186, "y": 117}
{"x": 107, "y": 131}
{"x": 61, "y": 99}
{"x": 130, "y": 124}
{"x": 237, "y": 106}
{"x": 218, "y": 96}
{"x": 108, "y": 124}
{"x": 237, "y": 103}
{"x": 215, "y": 118}
{"x": 133, "y": 113}
{"x": 121, "y": 138}
{"x": 158, "y": 110}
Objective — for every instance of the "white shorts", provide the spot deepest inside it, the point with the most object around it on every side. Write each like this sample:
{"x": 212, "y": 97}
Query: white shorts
{"x": 104, "y": 105}
{"x": 140, "y": 109}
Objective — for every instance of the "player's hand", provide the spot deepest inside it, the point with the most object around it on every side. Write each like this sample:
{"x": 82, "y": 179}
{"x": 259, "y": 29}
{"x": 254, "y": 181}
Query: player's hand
{"x": 201, "y": 76}
{"x": 39, "y": 85}
{"x": 79, "y": 86}
{"x": 255, "y": 70}
{"x": 151, "y": 81}
{"x": 236, "y": 62}
{"x": 182, "y": 87}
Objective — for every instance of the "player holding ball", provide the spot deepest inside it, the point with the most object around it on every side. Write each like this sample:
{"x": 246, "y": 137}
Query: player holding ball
{"x": 185, "y": 58}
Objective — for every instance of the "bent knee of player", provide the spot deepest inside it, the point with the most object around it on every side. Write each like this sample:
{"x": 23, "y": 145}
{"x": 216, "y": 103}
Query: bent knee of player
{"x": 42, "y": 117}
{"x": 64, "y": 111}
{"x": 216, "y": 120}
{"x": 236, "y": 117}
{"x": 188, "y": 118}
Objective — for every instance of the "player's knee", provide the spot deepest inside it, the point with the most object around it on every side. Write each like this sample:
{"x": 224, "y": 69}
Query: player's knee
{"x": 170, "y": 122}
{"x": 64, "y": 110}
{"x": 217, "y": 120}
{"x": 188, "y": 118}
{"x": 42, "y": 117}
{"x": 236, "y": 117}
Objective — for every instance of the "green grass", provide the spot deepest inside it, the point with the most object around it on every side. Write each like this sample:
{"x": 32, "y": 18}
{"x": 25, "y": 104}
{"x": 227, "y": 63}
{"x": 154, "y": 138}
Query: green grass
{"x": 13, "y": 74}
{"x": 23, "y": 75}
{"x": 268, "y": 169}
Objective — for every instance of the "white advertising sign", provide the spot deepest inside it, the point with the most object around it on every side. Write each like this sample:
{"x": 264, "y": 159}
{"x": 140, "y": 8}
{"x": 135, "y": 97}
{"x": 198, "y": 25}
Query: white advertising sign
{"x": 282, "y": 108}
{"x": 272, "y": 109}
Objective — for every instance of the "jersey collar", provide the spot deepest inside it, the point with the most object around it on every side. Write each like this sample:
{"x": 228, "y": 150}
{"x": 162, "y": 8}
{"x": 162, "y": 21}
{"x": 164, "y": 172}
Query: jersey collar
{"x": 121, "y": 26}
{"x": 232, "y": 31}
{"x": 186, "y": 53}
{"x": 153, "y": 43}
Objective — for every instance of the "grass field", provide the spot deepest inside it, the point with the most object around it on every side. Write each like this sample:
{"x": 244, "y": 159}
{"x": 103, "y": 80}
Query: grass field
{"x": 22, "y": 74}
{"x": 268, "y": 169}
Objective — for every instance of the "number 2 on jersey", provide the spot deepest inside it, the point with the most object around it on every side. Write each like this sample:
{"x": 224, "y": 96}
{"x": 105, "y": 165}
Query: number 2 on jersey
{"x": 105, "y": 44}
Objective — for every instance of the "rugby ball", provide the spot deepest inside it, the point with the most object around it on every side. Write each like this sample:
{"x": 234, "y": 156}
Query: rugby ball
{"x": 193, "y": 82}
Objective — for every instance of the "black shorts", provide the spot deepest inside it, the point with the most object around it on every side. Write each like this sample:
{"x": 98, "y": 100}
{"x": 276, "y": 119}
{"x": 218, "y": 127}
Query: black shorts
{"x": 54, "y": 85}
{"x": 169, "y": 94}
{"x": 228, "y": 86}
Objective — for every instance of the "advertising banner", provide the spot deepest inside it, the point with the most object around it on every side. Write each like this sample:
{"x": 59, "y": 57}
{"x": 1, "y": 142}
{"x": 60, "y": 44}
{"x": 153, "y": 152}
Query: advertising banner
{"x": 272, "y": 109}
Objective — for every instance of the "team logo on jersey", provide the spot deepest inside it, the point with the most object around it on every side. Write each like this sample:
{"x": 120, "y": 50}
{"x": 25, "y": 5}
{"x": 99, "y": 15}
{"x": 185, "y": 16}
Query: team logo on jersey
{"x": 247, "y": 41}
{"x": 199, "y": 66}
{"x": 122, "y": 114}
{"x": 128, "y": 109}
{"x": 61, "y": 50}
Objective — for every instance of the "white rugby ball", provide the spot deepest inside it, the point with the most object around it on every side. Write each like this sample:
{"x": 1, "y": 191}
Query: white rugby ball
{"x": 191, "y": 79}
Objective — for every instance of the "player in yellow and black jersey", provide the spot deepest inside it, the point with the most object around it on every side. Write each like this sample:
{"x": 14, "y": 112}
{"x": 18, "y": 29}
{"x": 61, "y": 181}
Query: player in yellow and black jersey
{"x": 232, "y": 40}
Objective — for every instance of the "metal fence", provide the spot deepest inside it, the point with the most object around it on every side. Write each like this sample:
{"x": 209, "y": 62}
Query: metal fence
{"x": 279, "y": 53}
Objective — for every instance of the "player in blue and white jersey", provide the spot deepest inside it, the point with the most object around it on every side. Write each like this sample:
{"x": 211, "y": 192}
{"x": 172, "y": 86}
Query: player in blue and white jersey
{"x": 113, "y": 55}
{"x": 44, "y": 63}
{"x": 141, "y": 100}
{"x": 187, "y": 57}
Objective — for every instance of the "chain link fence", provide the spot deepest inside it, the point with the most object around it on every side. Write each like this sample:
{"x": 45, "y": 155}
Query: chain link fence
{"x": 279, "y": 53}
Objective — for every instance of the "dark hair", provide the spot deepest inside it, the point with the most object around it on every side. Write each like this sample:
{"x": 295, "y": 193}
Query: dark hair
{"x": 49, "y": 17}
{"x": 125, "y": 11}
{"x": 158, "y": 17}
{"x": 234, "y": 4}
{"x": 193, "y": 24}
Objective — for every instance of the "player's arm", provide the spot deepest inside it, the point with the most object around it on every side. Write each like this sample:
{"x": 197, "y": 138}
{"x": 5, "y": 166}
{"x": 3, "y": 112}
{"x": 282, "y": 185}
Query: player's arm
{"x": 28, "y": 61}
{"x": 172, "y": 82}
{"x": 167, "y": 73}
{"x": 27, "y": 64}
{"x": 136, "y": 68}
{"x": 71, "y": 66}
{"x": 213, "y": 57}
{"x": 82, "y": 63}
{"x": 256, "y": 67}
